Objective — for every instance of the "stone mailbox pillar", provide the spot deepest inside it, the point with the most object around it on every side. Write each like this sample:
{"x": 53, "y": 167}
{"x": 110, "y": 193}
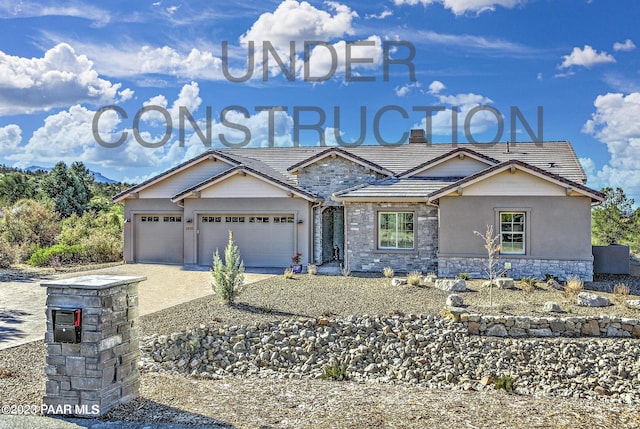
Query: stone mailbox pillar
{"x": 92, "y": 344}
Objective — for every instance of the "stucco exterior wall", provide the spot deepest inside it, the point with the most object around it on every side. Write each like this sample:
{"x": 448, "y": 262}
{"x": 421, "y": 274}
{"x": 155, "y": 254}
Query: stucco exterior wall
{"x": 362, "y": 245}
{"x": 299, "y": 207}
{"x": 557, "y": 240}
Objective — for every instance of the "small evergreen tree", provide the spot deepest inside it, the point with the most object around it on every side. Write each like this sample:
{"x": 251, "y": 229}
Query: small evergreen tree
{"x": 228, "y": 276}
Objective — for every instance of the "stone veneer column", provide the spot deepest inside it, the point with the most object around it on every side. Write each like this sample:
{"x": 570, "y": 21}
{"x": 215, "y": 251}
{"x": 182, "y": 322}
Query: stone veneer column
{"x": 91, "y": 377}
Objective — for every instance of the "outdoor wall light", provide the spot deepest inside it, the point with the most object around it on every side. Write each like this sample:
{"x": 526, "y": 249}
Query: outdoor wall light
{"x": 189, "y": 220}
{"x": 300, "y": 221}
{"x": 127, "y": 220}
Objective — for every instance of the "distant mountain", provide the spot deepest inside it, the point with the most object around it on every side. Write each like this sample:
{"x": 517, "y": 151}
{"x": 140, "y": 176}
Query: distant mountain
{"x": 99, "y": 178}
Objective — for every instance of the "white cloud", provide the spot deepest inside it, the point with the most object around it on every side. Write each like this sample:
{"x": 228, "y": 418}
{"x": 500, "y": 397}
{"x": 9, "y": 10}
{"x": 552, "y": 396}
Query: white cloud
{"x": 29, "y": 9}
{"x": 472, "y": 43}
{"x": 460, "y": 7}
{"x": 627, "y": 45}
{"x": 321, "y": 61}
{"x": 539, "y": 76}
{"x": 585, "y": 57}
{"x": 382, "y": 15}
{"x": 401, "y": 91}
{"x": 442, "y": 121}
{"x": 59, "y": 78}
{"x": 436, "y": 86}
{"x": 615, "y": 123}
{"x": 10, "y": 138}
{"x": 299, "y": 22}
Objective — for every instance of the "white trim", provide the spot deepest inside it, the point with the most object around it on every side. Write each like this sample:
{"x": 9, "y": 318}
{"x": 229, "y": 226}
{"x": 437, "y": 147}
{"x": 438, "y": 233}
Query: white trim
{"x": 445, "y": 159}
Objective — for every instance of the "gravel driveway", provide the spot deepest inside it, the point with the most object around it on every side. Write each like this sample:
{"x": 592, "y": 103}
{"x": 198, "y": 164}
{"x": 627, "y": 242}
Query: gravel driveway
{"x": 22, "y": 301}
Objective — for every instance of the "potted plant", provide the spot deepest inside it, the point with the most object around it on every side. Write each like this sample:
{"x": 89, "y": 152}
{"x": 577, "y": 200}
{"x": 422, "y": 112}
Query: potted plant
{"x": 295, "y": 263}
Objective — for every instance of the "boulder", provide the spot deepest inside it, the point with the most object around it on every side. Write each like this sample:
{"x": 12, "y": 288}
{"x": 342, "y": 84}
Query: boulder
{"x": 451, "y": 285}
{"x": 633, "y": 303}
{"x": 551, "y": 307}
{"x": 554, "y": 284}
{"x": 592, "y": 300}
{"x": 430, "y": 278}
{"x": 504, "y": 283}
{"x": 397, "y": 281}
{"x": 454, "y": 300}
{"x": 497, "y": 330}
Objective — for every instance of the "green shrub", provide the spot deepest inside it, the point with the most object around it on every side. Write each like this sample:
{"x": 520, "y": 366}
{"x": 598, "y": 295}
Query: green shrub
{"x": 505, "y": 382}
{"x": 228, "y": 277}
{"x": 29, "y": 225}
{"x": 7, "y": 254}
{"x": 527, "y": 284}
{"x": 463, "y": 276}
{"x": 59, "y": 254}
{"x": 335, "y": 372}
{"x": 101, "y": 246}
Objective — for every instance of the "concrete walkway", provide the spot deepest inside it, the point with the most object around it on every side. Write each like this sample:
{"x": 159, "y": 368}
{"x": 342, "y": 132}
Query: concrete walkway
{"x": 22, "y": 303}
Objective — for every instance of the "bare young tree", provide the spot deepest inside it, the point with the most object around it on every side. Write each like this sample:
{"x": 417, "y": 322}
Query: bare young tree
{"x": 492, "y": 267}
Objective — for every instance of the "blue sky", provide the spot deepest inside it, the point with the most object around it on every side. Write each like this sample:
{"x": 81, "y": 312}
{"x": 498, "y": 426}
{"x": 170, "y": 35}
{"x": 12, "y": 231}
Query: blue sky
{"x": 61, "y": 62}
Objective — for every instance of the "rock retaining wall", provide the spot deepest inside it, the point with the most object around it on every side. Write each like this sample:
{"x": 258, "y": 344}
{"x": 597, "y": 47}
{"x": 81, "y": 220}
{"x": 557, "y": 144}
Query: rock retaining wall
{"x": 520, "y": 326}
{"x": 424, "y": 350}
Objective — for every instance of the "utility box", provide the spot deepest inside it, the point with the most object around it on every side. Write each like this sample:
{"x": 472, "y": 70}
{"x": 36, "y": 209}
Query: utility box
{"x": 92, "y": 344}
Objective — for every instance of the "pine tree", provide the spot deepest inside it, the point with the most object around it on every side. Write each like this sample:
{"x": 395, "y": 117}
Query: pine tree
{"x": 228, "y": 276}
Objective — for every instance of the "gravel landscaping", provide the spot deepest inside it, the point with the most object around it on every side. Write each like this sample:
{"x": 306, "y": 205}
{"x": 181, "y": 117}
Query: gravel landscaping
{"x": 551, "y": 373}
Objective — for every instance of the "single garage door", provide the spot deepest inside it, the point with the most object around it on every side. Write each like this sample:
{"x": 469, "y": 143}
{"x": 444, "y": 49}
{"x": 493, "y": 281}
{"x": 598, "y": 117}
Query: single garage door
{"x": 159, "y": 238}
{"x": 263, "y": 240}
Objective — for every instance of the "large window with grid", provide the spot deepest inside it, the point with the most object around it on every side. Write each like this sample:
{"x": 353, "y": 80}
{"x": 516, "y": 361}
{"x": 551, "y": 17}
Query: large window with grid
{"x": 512, "y": 233}
{"x": 395, "y": 230}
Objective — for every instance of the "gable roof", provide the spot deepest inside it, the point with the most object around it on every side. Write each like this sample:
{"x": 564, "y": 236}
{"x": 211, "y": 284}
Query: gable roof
{"x": 337, "y": 151}
{"x": 519, "y": 165}
{"x": 247, "y": 170}
{"x": 458, "y": 152}
{"x": 392, "y": 189}
{"x": 209, "y": 154}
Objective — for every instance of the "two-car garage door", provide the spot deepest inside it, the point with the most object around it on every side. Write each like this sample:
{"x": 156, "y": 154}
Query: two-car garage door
{"x": 264, "y": 240}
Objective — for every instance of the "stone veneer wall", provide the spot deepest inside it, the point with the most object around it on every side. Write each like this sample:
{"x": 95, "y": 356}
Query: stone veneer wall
{"x": 330, "y": 175}
{"x": 449, "y": 266}
{"x": 91, "y": 377}
{"x": 522, "y": 326}
{"x": 325, "y": 177}
{"x": 361, "y": 235}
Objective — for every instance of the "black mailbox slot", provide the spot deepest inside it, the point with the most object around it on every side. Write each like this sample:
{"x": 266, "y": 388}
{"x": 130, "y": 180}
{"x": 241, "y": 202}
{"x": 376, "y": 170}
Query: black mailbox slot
{"x": 67, "y": 325}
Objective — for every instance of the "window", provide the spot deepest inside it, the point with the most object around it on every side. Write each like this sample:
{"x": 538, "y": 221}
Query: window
{"x": 172, "y": 219}
{"x": 512, "y": 231}
{"x": 259, "y": 219}
{"x": 395, "y": 230}
{"x": 150, "y": 219}
{"x": 283, "y": 219}
{"x": 211, "y": 219}
{"x": 234, "y": 219}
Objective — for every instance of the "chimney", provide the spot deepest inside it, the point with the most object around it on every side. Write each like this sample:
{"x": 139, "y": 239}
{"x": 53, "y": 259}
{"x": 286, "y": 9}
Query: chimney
{"x": 417, "y": 137}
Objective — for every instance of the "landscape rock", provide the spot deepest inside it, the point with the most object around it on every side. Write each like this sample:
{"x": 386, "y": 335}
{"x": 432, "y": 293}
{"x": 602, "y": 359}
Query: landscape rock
{"x": 397, "y": 281}
{"x": 633, "y": 303}
{"x": 551, "y": 307}
{"x": 430, "y": 278}
{"x": 554, "y": 284}
{"x": 504, "y": 283}
{"x": 592, "y": 300}
{"x": 454, "y": 300}
{"x": 497, "y": 331}
{"x": 451, "y": 285}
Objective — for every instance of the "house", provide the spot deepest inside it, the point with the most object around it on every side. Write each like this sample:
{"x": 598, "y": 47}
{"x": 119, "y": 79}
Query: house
{"x": 411, "y": 207}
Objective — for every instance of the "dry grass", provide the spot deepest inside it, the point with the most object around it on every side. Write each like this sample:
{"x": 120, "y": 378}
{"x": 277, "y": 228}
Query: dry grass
{"x": 312, "y": 269}
{"x": 288, "y": 274}
{"x": 414, "y": 278}
{"x": 388, "y": 272}
{"x": 527, "y": 284}
{"x": 574, "y": 286}
{"x": 621, "y": 289}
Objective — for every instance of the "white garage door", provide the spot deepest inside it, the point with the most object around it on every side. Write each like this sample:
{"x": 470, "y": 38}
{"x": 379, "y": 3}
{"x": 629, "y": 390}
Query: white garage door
{"x": 263, "y": 240}
{"x": 159, "y": 238}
